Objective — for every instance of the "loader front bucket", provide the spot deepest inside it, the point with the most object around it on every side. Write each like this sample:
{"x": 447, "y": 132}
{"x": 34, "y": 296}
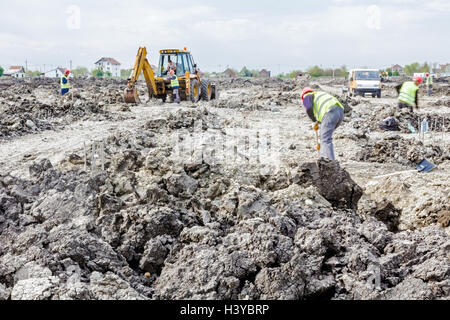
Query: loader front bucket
{"x": 131, "y": 96}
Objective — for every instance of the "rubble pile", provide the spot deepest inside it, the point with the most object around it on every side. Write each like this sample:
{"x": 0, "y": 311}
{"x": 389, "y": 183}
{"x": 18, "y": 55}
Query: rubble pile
{"x": 202, "y": 232}
{"x": 162, "y": 221}
{"x": 394, "y": 148}
{"x": 32, "y": 107}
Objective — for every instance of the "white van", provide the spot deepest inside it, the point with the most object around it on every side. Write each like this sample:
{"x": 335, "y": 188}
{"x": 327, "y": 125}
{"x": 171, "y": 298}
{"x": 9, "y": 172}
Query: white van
{"x": 362, "y": 81}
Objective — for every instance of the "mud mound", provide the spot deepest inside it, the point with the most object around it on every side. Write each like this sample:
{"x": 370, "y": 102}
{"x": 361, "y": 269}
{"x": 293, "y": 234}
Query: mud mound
{"x": 418, "y": 207}
{"x": 408, "y": 152}
{"x": 202, "y": 232}
{"x": 270, "y": 83}
{"x": 27, "y": 107}
{"x": 162, "y": 223}
{"x": 333, "y": 182}
{"x": 269, "y": 250}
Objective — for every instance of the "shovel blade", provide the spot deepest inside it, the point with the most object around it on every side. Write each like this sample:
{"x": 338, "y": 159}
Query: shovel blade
{"x": 425, "y": 166}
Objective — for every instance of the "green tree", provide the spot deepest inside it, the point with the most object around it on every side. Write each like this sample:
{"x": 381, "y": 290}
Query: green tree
{"x": 125, "y": 73}
{"x": 412, "y": 68}
{"x": 80, "y": 72}
{"x": 1, "y": 71}
{"x": 425, "y": 68}
{"x": 396, "y": 73}
{"x": 98, "y": 73}
{"x": 108, "y": 74}
{"x": 315, "y": 71}
{"x": 245, "y": 72}
{"x": 32, "y": 74}
{"x": 293, "y": 74}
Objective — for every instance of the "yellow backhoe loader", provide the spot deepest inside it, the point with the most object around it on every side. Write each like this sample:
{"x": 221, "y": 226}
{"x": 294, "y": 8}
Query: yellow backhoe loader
{"x": 191, "y": 86}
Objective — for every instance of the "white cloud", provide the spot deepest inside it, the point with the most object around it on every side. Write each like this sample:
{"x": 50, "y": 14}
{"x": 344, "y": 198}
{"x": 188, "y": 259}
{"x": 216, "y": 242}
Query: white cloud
{"x": 342, "y": 33}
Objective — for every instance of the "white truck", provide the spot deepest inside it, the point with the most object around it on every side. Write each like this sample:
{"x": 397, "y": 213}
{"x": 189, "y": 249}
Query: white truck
{"x": 363, "y": 81}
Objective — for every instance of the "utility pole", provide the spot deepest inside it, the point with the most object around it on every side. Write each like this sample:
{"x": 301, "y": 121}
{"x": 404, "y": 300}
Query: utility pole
{"x": 26, "y": 65}
{"x": 70, "y": 65}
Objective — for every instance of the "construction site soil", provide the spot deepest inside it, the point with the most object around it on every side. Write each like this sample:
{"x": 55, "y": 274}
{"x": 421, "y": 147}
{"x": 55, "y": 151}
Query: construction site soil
{"x": 219, "y": 200}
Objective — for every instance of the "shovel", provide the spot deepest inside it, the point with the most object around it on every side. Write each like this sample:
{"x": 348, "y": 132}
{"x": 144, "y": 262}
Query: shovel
{"x": 317, "y": 143}
{"x": 423, "y": 166}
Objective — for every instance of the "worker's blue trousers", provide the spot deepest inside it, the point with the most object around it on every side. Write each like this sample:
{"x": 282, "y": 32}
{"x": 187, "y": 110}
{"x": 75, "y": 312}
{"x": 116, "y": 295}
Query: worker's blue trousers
{"x": 331, "y": 120}
{"x": 64, "y": 91}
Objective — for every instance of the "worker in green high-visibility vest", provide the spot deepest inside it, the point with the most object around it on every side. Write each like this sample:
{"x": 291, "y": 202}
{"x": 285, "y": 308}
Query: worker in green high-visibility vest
{"x": 408, "y": 93}
{"x": 65, "y": 85}
{"x": 325, "y": 109}
{"x": 175, "y": 85}
{"x": 429, "y": 83}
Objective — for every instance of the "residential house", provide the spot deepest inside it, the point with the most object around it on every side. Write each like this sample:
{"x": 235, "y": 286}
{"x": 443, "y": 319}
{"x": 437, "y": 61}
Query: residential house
{"x": 15, "y": 72}
{"x": 397, "y": 68}
{"x": 263, "y": 74}
{"x": 229, "y": 73}
{"x": 109, "y": 64}
{"x": 444, "y": 68}
{"x": 55, "y": 73}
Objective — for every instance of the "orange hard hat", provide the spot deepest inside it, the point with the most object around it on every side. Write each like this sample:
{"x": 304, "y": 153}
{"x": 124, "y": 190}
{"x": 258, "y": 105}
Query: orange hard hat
{"x": 418, "y": 79}
{"x": 306, "y": 90}
{"x": 171, "y": 72}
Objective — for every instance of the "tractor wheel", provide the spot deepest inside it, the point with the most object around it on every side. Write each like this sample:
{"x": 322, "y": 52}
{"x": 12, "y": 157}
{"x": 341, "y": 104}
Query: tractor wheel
{"x": 206, "y": 90}
{"x": 194, "y": 91}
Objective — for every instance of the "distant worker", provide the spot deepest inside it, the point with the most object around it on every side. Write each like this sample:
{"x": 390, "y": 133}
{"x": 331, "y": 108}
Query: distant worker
{"x": 171, "y": 66}
{"x": 175, "y": 85}
{"x": 408, "y": 93}
{"x": 325, "y": 109}
{"x": 429, "y": 84}
{"x": 65, "y": 85}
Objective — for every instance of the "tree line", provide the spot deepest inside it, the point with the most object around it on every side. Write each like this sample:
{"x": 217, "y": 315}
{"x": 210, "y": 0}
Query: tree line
{"x": 314, "y": 71}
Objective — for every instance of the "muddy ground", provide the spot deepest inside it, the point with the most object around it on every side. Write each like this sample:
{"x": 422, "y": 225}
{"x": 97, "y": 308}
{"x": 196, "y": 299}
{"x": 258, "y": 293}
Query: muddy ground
{"x": 219, "y": 200}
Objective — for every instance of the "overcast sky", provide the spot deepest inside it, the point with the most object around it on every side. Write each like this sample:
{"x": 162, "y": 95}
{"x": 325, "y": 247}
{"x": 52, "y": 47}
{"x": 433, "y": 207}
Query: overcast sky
{"x": 278, "y": 35}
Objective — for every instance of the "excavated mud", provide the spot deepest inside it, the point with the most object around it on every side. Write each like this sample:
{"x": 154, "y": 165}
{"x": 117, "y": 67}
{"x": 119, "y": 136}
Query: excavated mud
{"x": 30, "y": 107}
{"x": 394, "y": 148}
{"x": 163, "y": 221}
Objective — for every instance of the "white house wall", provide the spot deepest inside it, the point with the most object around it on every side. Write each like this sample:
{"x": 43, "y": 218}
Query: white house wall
{"x": 108, "y": 66}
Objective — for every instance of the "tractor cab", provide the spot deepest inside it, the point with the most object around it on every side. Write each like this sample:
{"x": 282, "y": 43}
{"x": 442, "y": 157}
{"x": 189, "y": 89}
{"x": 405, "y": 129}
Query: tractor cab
{"x": 182, "y": 60}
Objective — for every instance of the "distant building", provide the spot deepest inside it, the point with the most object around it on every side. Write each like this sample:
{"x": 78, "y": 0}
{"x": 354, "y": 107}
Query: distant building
{"x": 397, "y": 68}
{"x": 263, "y": 74}
{"x": 109, "y": 64}
{"x": 15, "y": 72}
{"x": 229, "y": 73}
{"x": 55, "y": 73}
{"x": 444, "y": 68}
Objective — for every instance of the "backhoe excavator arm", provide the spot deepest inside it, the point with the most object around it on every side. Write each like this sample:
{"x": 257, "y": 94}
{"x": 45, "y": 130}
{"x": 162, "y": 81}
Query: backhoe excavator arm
{"x": 141, "y": 65}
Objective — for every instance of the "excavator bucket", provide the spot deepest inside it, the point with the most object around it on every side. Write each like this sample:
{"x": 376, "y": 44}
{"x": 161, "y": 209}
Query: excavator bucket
{"x": 131, "y": 95}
